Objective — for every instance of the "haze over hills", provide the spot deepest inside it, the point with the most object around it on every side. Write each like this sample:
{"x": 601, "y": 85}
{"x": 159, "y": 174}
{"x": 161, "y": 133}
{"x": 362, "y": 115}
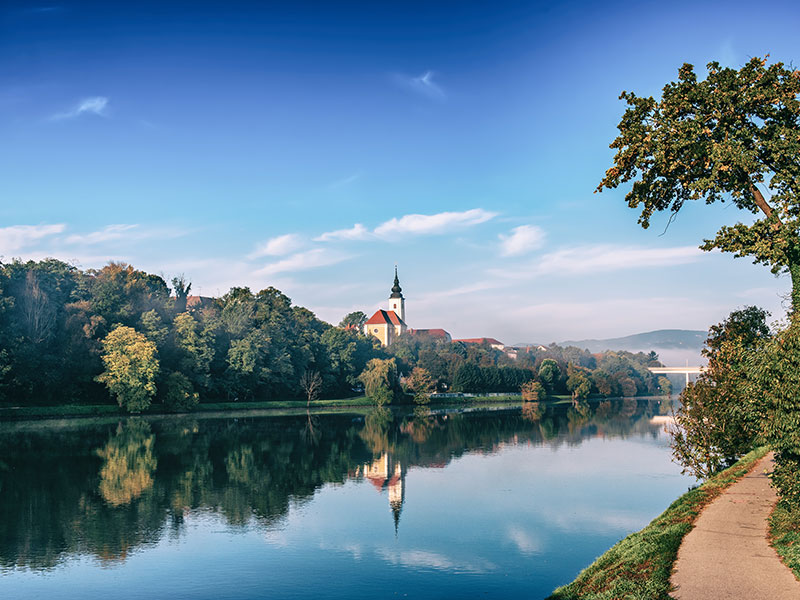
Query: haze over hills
{"x": 672, "y": 339}
{"x": 674, "y": 346}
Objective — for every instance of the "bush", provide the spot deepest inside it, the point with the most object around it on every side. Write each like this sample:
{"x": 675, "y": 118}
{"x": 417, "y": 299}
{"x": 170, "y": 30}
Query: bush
{"x": 179, "y": 393}
{"x": 533, "y": 391}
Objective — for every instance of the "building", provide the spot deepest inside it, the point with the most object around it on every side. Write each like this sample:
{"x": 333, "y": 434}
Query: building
{"x": 433, "y": 334}
{"x": 388, "y": 325}
{"x": 491, "y": 342}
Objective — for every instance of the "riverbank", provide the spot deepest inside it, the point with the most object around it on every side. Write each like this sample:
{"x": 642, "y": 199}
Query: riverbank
{"x": 640, "y": 565}
{"x": 105, "y": 410}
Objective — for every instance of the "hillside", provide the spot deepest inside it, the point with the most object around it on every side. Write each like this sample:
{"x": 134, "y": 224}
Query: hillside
{"x": 667, "y": 339}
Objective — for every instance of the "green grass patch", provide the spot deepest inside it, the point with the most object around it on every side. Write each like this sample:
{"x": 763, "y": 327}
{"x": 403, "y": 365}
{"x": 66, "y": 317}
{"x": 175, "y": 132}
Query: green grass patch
{"x": 784, "y": 533}
{"x": 639, "y": 567}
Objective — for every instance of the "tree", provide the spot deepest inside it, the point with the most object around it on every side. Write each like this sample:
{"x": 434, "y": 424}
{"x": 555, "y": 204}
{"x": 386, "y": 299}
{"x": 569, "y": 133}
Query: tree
{"x": 776, "y": 392}
{"x": 665, "y": 385}
{"x": 579, "y": 382}
{"x": 533, "y": 391}
{"x": 354, "y": 320}
{"x": 181, "y": 288}
{"x": 549, "y": 374}
{"x": 131, "y": 364}
{"x": 421, "y": 384}
{"x": 380, "y": 380}
{"x": 311, "y": 383}
{"x": 179, "y": 394}
{"x": 721, "y": 414}
{"x": 733, "y": 136}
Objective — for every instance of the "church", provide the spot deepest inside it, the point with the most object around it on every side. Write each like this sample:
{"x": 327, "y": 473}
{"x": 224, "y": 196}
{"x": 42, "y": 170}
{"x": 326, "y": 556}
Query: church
{"x": 388, "y": 325}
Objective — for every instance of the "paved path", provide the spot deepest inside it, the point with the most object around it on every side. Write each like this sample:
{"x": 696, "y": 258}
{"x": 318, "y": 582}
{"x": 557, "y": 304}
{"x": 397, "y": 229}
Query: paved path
{"x": 726, "y": 556}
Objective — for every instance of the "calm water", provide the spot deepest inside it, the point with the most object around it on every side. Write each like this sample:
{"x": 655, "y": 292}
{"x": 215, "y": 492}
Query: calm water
{"x": 485, "y": 504}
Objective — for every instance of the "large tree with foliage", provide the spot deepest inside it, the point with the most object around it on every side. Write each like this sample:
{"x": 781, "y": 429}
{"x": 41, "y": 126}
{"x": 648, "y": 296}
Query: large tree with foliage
{"x": 131, "y": 362}
{"x": 731, "y": 137}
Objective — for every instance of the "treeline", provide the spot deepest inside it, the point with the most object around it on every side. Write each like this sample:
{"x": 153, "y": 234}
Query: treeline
{"x": 462, "y": 367}
{"x": 119, "y": 334}
{"x": 748, "y": 396}
{"x": 69, "y": 335}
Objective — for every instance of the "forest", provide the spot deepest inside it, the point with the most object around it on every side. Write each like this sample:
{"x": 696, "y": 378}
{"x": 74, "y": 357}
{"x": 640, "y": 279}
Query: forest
{"x": 118, "y": 334}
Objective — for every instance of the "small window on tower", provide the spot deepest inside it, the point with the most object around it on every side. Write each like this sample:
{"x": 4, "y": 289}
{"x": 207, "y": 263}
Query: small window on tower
{"x": 375, "y": 330}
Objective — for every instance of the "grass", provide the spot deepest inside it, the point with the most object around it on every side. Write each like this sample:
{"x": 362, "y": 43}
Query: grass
{"x": 784, "y": 533}
{"x": 96, "y": 410}
{"x": 639, "y": 567}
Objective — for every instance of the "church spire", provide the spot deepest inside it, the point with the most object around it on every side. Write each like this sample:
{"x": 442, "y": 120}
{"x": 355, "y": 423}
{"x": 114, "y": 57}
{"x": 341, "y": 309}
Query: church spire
{"x": 396, "y": 289}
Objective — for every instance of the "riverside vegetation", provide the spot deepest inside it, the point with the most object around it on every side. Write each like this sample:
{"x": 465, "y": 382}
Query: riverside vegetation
{"x": 731, "y": 137}
{"x": 117, "y": 334}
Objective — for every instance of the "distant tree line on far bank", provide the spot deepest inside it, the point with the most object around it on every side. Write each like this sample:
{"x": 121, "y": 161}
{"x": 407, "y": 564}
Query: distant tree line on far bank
{"x": 119, "y": 334}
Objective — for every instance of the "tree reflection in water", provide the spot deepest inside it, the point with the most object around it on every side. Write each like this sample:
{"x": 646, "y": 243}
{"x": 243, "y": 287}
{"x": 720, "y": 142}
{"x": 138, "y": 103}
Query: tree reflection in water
{"x": 103, "y": 490}
{"x": 128, "y": 463}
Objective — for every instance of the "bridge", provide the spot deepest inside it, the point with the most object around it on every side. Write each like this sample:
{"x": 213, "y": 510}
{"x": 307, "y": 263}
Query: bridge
{"x": 687, "y": 370}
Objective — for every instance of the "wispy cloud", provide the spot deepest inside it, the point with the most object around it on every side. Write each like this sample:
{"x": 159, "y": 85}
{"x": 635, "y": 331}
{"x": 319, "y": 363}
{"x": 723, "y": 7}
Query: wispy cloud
{"x": 356, "y": 232}
{"x": 95, "y": 105}
{"x": 17, "y": 237}
{"x": 432, "y": 224}
{"x": 521, "y": 240}
{"x": 345, "y": 181}
{"x": 414, "y": 224}
{"x": 433, "y": 560}
{"x": 122, "y": 231}
{"x": 278, "y": 246}
{"x": 107, "y": 234}
{"x": 302, "y": 261}
{"x": 588, "y": 259}
{"x": 423, "y": 85}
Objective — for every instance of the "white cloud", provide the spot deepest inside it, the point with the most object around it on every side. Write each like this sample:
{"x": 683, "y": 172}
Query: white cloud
{"x": 278, "y": 246}
{"x": 19, "y": 236}
{"x": 356, "y": 232}
{"x": 607, "y": 257}
{"x": 522, "y": 240}
{"x": 95, "y": 105}
{"x": 432, "y": 224}
{"x": 414, "y": 224}
{"x": 423, "y": 85}
{"x": 302, "y": 261}
{"x": 123, "y": 232}
{"x": 107, "y": 234}
{"x": 582, "y": 260}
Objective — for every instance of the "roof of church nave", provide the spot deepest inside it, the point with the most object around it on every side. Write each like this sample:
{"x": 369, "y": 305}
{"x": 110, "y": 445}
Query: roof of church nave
{"x": 385, "y": 317}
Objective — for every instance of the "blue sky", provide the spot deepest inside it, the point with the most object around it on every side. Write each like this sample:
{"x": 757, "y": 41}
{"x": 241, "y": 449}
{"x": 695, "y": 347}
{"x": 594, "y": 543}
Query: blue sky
{"x": 311, "y": 146}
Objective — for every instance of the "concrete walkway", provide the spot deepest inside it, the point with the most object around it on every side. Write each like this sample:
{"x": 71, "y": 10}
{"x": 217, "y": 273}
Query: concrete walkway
{"x": 726, "y": 556}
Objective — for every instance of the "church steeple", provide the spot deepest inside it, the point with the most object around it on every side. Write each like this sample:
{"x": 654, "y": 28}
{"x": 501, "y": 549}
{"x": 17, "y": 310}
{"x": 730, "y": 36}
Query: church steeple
{"x": 396, "y": 301}
{"x": 396, "y": 289}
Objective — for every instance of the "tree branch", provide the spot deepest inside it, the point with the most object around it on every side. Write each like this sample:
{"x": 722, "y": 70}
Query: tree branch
{"x": 761, "y": 203}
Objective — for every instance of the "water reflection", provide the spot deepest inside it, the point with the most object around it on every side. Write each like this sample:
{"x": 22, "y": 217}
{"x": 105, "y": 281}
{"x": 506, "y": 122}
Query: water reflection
{"x": 105, "y": 490}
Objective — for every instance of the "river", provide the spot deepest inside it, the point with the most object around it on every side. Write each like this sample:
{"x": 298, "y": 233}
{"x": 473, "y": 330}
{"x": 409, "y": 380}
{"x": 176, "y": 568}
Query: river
{"x": 491, "y": 503}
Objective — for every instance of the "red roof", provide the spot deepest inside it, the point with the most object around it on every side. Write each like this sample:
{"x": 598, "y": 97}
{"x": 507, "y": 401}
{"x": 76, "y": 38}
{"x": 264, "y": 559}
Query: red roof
{"x": 434, "y": 333}
{"x": 385, "y": 317}
{"x": 490, "y": 341}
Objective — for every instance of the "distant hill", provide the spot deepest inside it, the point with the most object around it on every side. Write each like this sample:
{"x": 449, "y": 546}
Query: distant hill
{"x": 663, "y": 339}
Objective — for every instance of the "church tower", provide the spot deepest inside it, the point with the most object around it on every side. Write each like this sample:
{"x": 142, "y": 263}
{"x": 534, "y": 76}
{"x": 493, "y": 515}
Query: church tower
{"x": 396, "y": 301}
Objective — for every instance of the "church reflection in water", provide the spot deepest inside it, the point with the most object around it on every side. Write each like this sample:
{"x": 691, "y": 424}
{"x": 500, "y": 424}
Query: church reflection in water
{"x": 386, "y": 474}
